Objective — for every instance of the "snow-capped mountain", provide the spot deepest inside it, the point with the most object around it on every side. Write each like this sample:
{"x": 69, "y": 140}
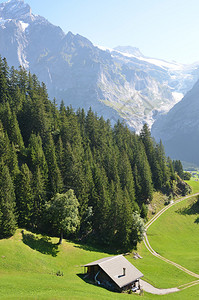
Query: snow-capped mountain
{"x": 116, "y": 83}
{"x": 157, "y": 86}
{"x": 129, "y": 50}
{"x": 15, "y": 10}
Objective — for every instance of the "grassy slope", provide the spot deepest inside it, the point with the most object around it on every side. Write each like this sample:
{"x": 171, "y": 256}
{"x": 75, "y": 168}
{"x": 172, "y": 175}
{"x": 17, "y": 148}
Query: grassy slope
{"x": 194, "y": 185}
{"x": 26, "y": 273}
{"x": 27, "y": 270}
{"x": 179, "y": 229}
{"x": 156, "y": 204}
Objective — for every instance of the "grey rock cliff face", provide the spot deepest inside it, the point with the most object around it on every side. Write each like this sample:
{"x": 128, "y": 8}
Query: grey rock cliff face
{"x": 179, "y": 129}
{"x": 121, "y": 83}
{"x": 16, "y": 9}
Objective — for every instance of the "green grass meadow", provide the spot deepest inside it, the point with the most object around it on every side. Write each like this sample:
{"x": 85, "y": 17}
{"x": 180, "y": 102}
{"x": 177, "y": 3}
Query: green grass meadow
{"x": 29, "y": 262}
{"x": 194, "y": 185}
{"x": 175, "y": 234}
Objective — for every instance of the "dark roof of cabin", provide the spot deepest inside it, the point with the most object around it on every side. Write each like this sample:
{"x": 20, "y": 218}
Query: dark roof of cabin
{"x": 113, "y": 266}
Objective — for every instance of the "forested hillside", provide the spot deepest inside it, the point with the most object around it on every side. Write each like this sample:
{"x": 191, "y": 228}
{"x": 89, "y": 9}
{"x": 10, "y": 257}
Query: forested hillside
{"x": 47, "y": 151}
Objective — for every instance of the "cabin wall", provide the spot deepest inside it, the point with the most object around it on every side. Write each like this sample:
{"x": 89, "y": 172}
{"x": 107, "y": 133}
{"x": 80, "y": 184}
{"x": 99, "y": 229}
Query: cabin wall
{"x": 92, "y": 270}
{"x": 135, "y": 283}
{"x": 102, "y": 277}
{"x": 106, "y": 281}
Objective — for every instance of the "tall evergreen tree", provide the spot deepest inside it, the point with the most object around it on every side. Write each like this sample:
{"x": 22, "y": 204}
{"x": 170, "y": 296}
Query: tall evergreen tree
{"x": 3, "y": 84}
{"x": 55, "y": 182}
{"x": 39, "y": 198}
{"x": 101, "y": 203}
{"x": 36, "y": 156}
{"x": 24, "y": 196}
{"x": 11, "y": 125}
{"x": 178, "y": 168}
{"x": 126, "y": 175}
{"x": 7, "y": 203}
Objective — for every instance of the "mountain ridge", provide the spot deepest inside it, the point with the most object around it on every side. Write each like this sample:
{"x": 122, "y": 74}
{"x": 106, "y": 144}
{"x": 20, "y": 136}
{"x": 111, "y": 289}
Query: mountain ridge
{"x": 179, "y": 129}
{"x": 116, "y": 85}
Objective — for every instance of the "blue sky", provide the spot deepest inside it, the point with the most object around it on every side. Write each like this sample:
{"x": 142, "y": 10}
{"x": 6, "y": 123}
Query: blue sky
{"x": 165, "y": 29}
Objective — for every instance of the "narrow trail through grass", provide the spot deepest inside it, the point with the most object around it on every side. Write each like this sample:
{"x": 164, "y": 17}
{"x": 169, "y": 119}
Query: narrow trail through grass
{"x": 153, "y": 252}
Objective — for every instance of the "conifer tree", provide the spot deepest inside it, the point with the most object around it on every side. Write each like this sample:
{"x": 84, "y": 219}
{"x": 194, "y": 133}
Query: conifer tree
{"x": 101, "y": 203}
{"x": 137, "y": 180}
{"x": 4, "y": 145}
{"x": 3, "y": 84}
{"x": 7, "y": 203}
{"x": 178, "y": 168}
{"x": 91, "y": 127}
{"x": 74, "y": 177}
{"x": 171, "y": 169}
{"x": 36, "y": 156}
{"x": 13, "y": 163}
{"x": 60, "y": 155}
{"x": 125, "y": 220}
{"x": 126, "y": 176}
{"x": 39, "y": 198}
{"x": 115, "y": 216}
{"x": 11, "y": 125}
{"x": 55, "y": 181}
{"x": 23, "y": 79}
{"x": 144, "y": 176}
{"x": 24, "y": 196}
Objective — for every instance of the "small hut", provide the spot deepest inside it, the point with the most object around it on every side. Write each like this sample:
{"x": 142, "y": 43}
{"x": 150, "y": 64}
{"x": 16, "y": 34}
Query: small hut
{"x": 115, "y": 273}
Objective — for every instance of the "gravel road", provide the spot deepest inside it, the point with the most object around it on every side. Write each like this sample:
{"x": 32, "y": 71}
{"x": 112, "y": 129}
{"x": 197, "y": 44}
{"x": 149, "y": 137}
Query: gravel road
{"x": 151, "y": 289}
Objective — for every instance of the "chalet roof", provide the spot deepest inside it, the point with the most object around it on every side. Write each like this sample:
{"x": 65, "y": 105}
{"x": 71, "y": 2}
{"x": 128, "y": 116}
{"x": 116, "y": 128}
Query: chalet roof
{"x": 113, "y": 266}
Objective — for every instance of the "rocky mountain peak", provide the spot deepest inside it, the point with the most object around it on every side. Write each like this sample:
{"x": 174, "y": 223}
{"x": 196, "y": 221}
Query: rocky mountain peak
{"x": 120, "y": 83}
{"x": 15, "y": 9}
{"x": 129, "y": 50}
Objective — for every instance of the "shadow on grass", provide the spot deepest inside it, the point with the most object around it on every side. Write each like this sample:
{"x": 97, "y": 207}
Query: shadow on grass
{"x": 43, "y": 245}
{"x": 86, "y": 278}
{"x": 196, "y": 220}
{"x": 97, "y": 248}
{"x": 192, "y": 209}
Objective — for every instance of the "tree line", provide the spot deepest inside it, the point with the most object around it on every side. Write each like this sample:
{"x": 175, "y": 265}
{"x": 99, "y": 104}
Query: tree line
{"x": 107, "y": 174}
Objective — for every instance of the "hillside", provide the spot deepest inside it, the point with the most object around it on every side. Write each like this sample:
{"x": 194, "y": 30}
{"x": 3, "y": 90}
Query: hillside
{"x": 75, "y": 166}
{"x": 29, "y": 263}
{"x": 179, "y": 129}
{"x": 114, "y": 83}
{"x": 184, "y": 216}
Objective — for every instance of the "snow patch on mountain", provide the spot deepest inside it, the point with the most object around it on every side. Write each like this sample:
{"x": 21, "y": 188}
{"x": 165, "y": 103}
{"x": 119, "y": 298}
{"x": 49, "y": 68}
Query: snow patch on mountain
{"x": 177, "y": 96}
{"x": 158, "y": 62}
{"x": 2, "y": 22}
{"x": 129, "y": 50}
{"x": 164, "y": 64}
{"x": 24, "y": 26}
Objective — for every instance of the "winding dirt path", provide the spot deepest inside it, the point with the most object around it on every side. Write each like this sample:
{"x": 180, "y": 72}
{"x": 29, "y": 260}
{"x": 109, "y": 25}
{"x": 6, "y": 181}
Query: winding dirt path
{"x": 152, "y": 290}
{"x": 153, "y": 252}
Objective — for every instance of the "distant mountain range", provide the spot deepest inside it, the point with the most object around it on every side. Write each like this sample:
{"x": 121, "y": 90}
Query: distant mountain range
{"x": 116, "y": 83}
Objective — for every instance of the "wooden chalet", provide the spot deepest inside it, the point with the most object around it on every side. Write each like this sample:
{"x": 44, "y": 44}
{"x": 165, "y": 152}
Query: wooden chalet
{"x": 115, "y": 273}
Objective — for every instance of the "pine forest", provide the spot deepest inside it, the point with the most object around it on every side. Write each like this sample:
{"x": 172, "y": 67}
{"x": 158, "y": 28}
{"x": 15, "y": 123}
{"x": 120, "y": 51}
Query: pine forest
{"x": 73, "y": 174}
